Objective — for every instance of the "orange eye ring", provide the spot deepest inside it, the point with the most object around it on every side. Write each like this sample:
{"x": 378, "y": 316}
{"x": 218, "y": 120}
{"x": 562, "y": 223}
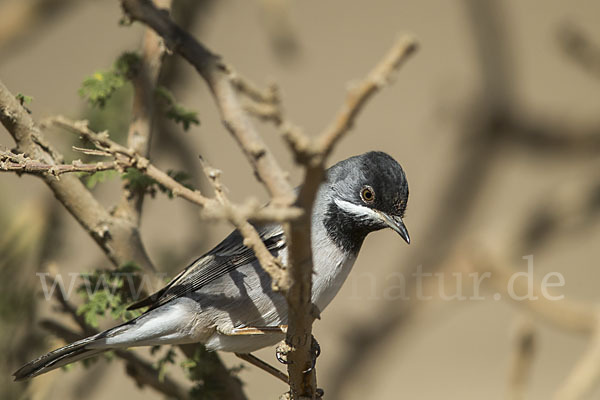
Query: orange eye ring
{"x": 367, "y": 194}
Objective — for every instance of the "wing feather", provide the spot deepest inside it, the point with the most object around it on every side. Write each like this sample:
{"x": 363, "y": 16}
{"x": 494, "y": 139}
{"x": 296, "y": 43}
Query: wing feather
{"x": 223, "y": 259}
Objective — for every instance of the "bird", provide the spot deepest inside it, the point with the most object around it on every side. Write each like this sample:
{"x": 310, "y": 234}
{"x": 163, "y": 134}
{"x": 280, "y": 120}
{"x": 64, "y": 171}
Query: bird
{"x": 224, "y": 299}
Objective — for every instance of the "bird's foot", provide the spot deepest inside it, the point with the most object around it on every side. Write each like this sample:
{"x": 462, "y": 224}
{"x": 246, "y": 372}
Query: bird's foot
{"x": 282, "y": 351}
{"x": 315, "y": 350}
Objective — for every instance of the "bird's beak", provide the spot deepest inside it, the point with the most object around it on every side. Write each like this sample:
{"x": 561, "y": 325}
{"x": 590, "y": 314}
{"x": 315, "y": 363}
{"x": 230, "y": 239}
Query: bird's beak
{"x": 397, "y": 225}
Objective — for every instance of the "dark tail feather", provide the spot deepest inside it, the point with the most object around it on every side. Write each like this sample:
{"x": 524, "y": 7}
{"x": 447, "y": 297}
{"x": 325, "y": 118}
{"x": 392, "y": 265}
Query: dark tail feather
{"x": 55, "y": 359}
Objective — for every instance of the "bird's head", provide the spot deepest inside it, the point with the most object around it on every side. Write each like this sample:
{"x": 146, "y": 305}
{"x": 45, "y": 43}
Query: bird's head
{"x": 363, "y": 194}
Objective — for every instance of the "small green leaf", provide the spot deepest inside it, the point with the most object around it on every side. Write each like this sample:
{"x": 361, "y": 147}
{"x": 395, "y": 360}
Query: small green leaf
{"x": 91, "y": 180}
{"x": 24, "y": 99}
{"x": 175, "y": 111}
{"x": 99, "y": 87}
{"x": 137, "y": 181}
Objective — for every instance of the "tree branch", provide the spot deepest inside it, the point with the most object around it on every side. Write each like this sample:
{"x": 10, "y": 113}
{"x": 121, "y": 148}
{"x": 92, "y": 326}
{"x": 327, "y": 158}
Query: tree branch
{"x": 586, "y": 374}
{"x": 143, "y": 115}
{"x": 521, "y": 359}
{"x": 218, "y": 78}
{"x": 118, "y": 238}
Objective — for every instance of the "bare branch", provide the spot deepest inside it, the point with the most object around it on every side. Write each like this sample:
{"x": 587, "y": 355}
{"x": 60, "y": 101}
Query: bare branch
{"x": 212, "y": 208}
{"x": 521, "y": 358}
{"x": 568, "y": 315}
{"x": 19, "y": 163}
{"x": 586, "y": 374}
{"x": 143, "y": 115}
{"x": 119, "y": 239}
{"x": 579, "y": 47}
{"x": 359, "y": 95}
{"x": 264, "y": 366}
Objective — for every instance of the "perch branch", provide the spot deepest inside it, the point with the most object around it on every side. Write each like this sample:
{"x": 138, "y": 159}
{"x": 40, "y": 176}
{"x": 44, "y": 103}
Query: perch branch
{"x": 301, "y": 311}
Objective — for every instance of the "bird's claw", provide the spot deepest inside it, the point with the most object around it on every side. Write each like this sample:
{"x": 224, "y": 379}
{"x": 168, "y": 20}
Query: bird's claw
{"x": 315, "y": 349}
{"x": 281, "y": 353}
{"x": 283, "y": 349}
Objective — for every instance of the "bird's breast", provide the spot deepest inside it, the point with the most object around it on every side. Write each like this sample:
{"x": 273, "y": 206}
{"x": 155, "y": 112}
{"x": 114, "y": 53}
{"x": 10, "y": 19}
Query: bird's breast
{"x": 331, "y": 268}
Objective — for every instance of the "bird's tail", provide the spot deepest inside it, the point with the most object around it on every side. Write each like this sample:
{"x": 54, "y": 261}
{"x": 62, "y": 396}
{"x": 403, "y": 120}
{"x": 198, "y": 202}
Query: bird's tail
{"x": 60, "y": 357}
{"x": 168, "y": 324}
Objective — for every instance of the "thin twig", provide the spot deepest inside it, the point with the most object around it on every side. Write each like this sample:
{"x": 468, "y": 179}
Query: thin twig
{"x": 585, "y": 376}
{"x": 257, "y": 362}
{"x": 358, "y": 96}
{"x": 521, "y": 359}
{"x": 212, "y": 208}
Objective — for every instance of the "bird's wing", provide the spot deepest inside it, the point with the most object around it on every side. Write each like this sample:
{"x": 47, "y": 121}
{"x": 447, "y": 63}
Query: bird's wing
{"x": 224, "y": 258}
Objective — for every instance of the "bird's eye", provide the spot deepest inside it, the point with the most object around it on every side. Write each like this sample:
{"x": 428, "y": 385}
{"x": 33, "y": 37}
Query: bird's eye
{"x": 367, "y": 194}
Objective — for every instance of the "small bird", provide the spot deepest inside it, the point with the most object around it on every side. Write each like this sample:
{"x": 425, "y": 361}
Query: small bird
{"x": 224, "y": 299}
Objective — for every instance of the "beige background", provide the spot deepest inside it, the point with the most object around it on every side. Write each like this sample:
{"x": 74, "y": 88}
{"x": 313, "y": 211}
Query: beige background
{"x": 453, "y": 350}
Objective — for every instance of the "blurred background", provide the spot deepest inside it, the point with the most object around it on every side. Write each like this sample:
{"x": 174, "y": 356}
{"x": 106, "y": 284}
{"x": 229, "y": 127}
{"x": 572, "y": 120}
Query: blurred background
{"x": 495, "y": 120}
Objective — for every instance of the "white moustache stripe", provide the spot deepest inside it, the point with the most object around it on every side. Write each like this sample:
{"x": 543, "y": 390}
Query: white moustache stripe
{"x": 356, "y": 210}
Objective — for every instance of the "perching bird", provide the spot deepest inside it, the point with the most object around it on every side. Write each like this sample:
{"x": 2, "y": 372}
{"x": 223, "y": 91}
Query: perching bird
{"x": 224, "y": 299}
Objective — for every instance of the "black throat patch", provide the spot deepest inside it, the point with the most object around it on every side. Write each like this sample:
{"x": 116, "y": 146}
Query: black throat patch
{"x": 345, "y": 231}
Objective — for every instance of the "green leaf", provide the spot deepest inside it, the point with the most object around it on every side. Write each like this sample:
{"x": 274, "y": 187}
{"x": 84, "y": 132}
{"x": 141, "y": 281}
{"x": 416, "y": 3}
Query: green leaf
{"x": 24, "y": 99}
{"x": 175, "y": 111}
{"x": 138, "y": 182}
{"x": 98, "y": 88}
{"x": 91, "y": 180}
{"x": 179, "y": 176}
{"x": 106, "y": 291}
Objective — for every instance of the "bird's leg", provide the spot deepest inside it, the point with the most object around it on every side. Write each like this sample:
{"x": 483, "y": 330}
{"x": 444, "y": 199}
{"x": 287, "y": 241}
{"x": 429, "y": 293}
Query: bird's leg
{"x": 283, "y": 348}
{"x": 257, "y": 362}
{"x": 258, "y": 330}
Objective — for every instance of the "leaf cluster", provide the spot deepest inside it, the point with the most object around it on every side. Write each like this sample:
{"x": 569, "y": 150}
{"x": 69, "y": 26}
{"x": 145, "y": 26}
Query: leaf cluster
{"x": 175, "y": 111}
{"x": 98, "y": 88}
{"x": 138, "y": 182}
{"x": 108, "y": 290}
